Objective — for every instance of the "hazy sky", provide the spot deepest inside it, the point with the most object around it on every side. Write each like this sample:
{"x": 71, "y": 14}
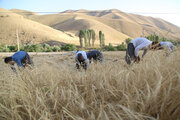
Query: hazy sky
{"x": 168, "y": 10}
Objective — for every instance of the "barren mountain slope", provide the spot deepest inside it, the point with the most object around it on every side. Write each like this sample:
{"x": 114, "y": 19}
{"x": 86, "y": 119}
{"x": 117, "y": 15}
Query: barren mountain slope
{"x": 28, "y": 30}
{"x": 130, "y": 24}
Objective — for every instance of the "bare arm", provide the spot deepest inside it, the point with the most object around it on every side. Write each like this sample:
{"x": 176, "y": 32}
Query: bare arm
{"x": 86, "y": 64}
{"x": 77, "y": 64}
{"x": 137, "y": 50}
{"x": 145, "y": 51}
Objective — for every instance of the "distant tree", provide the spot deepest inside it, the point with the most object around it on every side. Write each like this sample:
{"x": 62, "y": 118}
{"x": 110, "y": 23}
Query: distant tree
{"x": 85, "y": 38}
{"x": 81, "y": 35}
{"x": 89, "y": 36}
{"x": 153, "y": 37}
{"x": 100, "y": 38}
{"x": 103, "y": 40}
{"x": 93, "y": 37}
{"x": 128, "y": 40}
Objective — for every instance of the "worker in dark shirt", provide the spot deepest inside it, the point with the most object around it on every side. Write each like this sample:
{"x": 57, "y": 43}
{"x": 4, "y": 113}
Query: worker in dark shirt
{"x": 22, "y": 59}
{"x": 95, "y": 55}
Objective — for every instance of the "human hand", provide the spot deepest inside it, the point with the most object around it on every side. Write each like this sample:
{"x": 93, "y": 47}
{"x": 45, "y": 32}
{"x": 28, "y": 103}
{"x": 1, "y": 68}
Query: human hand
{"x": 136, "y": 59}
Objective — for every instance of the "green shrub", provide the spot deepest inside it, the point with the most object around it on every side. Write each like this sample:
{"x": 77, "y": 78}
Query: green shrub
{"x": 56, "y": 49}
{"x": 47, "y": 48}
{"x": 68, "y": 47}
{"x": 37, "y": 47}
{"x": 128, "y": 40}
{"x": 4, "y": 16}
{"x": 109, "y": 48}
{"x": 4, "y": 48}
{"x": 26, "y": 48}
{"x": 121, "y": 47}
{"x": 13, "y": 48}
{"x": 32, "y": 48}
{"x": 154, "y": 38}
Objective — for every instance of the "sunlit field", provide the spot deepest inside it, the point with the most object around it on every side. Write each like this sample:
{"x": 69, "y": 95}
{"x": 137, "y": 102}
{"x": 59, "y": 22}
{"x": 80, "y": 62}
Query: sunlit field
{"x": 55, "y": 90}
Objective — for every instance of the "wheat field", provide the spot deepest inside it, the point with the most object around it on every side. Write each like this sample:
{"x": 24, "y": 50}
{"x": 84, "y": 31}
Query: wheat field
{"x": 55, "y": 90}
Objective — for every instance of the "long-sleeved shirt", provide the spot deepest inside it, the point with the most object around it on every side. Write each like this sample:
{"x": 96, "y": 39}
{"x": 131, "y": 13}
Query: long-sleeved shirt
{"x": 168, "y": 45}
{"x": 141, "y": 44}
{"x": 95, "y": 54}
{"x": 84, "y": 57}
{"x": 18, "y": 56}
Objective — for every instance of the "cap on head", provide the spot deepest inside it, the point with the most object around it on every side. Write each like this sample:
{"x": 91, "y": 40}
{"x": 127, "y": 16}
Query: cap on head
{"x": 7, "y": 59}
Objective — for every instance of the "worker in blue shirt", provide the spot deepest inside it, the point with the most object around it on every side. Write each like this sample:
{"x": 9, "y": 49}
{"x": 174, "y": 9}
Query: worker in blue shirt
{"x": 22, "y": 59}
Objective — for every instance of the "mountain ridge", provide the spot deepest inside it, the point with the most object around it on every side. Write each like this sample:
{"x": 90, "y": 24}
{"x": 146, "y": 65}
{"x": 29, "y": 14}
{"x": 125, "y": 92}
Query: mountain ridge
{"x": 115, "y": 24}
{"x": 132, "y": 25}
{"x": 29, "y": 31}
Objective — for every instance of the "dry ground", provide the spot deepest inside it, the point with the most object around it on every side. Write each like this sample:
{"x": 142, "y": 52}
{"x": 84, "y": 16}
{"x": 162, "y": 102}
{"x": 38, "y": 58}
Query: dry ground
{"x": 55, "y": 90}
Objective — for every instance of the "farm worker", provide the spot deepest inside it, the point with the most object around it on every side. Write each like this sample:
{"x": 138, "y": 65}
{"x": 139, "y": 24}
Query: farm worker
{"x": 21, "y": 58}
{"x": 81, "y": 60}
{"x": 134, "y": 46}
{"x": 95, "y": 55}
{"x": 168, "y": 45}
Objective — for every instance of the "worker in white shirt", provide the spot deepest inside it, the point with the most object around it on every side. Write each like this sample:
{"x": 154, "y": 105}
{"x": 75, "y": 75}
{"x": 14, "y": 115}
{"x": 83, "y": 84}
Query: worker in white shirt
{"x": 81, "y": 60}
{"x": 167, "y": 45}
{"x": 133, "y": 48}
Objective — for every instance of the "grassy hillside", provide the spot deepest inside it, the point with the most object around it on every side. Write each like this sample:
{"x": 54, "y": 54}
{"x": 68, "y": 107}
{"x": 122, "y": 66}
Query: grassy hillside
{"x": 54, "y": 89}
{"x": 29, "y": 31}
